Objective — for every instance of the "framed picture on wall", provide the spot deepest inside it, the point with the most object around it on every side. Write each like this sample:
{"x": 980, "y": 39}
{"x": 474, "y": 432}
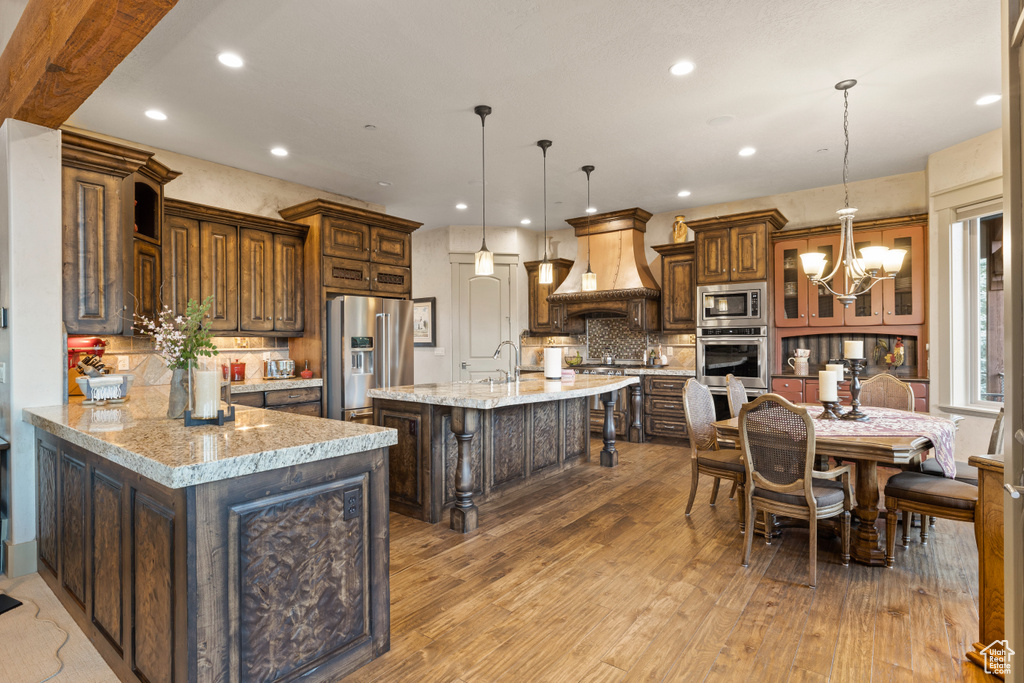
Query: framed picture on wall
{"x": 424, "y": 332}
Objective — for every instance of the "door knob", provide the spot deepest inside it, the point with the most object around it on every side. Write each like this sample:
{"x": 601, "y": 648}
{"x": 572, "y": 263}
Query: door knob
{"x": 465, "y": 365}
{"x": 1014, "y": 491}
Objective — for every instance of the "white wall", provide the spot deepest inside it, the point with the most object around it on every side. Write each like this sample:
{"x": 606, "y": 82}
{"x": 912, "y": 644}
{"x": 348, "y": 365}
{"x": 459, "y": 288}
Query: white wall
{"x": 30, "y": 287}
{"x": 10, "y": 14}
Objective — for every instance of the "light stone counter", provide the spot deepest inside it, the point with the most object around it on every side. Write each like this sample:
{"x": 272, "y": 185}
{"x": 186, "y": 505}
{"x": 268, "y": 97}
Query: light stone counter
{"x": 629, "y": 370}
{"x": 487, "y": 396}
{"x": 137, "y": 436}
{"x": 259, "y": 384}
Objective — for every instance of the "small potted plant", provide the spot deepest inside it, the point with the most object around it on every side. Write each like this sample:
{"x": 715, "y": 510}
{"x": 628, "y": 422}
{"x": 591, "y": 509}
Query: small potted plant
{"x": 180, "y": 341}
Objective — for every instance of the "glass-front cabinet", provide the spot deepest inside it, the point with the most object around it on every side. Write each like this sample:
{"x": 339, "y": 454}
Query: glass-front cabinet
{"x": 867, "y": 309}
{"x": 903, "y": 297}
{"x": 823, "y": 309}
{"x": 791, "y": 285}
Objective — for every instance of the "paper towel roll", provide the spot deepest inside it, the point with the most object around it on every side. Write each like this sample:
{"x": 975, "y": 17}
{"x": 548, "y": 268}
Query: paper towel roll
{"x": 553, "y": 362}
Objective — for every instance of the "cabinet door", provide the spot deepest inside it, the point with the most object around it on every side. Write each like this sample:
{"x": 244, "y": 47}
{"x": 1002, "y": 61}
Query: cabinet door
{"x": 748, "y": 252}
{"x": 867, "y": 309}
{"x": 712, "y": 249}
{"x": 218, "y": 275}
{"x": 824, "y": 309}
{"x": 790, "y": 284}
{"x": 256, "y": 285}
{"x": 390, "y": 279}
{"x": 93, "y": 249}
{"x": 180, "y": 262}
{"x": 146, "y": 264}
{"x": 540, "y": 310}
{"x": 346, "y": 239}
{"x": 677, "y": 296}
{"x": 903, "y": 297}
{"x": 390, "y": 246}
{"x": 288, "y": 283}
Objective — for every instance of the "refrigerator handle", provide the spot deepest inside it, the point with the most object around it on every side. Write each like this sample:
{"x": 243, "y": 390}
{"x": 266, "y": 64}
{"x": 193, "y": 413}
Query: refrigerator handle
{"x": 383, "y": 354}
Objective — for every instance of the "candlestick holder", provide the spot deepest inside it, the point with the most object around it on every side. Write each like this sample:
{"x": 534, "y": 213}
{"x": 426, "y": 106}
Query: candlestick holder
{"x": 856, "y": 367}
{"x": 833, "y": 410}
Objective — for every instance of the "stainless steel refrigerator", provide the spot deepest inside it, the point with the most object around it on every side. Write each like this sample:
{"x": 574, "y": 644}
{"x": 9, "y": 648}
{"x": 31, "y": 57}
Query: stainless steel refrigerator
{"x": 369, "y": 345}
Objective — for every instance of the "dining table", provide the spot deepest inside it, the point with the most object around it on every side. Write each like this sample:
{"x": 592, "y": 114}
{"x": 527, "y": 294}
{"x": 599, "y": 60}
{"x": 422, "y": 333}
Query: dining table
{"x": 888, "y": 437}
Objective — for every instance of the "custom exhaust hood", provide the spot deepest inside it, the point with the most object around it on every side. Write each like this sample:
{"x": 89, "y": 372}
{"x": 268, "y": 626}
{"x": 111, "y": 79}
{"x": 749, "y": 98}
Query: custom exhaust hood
{"x": 625, "y": 285}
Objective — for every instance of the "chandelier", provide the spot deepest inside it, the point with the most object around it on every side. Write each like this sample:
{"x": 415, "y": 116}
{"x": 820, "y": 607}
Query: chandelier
{"x": 876, "y": 263}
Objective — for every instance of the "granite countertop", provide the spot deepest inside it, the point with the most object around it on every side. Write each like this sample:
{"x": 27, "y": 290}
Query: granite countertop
{"x": 628, "y": 370}
{"x": 137, "y": 435}
{"x": 259, "y": 384}
{"x": 486, "y": 396}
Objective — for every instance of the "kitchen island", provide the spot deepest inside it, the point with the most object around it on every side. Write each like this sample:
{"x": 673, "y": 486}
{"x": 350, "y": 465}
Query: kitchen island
{"x": 253, "y": 551}
{"x": 461, "y": 440}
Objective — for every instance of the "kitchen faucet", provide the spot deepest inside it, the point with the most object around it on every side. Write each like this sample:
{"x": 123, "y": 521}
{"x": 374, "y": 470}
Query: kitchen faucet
{"x": 513, "y": 375}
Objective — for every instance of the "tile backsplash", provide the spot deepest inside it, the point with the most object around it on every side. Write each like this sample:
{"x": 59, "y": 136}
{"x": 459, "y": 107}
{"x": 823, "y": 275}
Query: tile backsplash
{"x": 612, "y": 336}
{"x": 149, "y": 368}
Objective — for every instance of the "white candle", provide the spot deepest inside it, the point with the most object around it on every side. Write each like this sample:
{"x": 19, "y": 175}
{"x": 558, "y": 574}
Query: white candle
{"x": 828, "y": 389}
{"x": 837, "y": 368}
{"x": 207, "y": 388}
{"x": 853, "y": 349}
{"x": 553, "y": 362}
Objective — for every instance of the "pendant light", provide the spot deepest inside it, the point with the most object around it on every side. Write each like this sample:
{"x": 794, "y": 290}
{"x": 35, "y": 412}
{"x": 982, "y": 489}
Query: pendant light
{"x": 589, "y": 282}
{"x": 484, "y": 257}
{"x": 876, "y": 263}
{"x": 546, "y": 272}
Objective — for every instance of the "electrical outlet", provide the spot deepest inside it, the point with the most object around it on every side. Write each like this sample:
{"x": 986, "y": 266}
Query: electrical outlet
{"x": 123, "y": 364}
{"x": 3, "y": 373}
{"x": 439, "y": 351}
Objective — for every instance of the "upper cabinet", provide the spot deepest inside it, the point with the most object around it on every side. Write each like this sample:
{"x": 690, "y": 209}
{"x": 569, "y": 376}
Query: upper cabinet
{"x": 734, "y": 248}
{"x": 678, "y": 287}
{"x": 542, "y": 321}
{"x": 251, "y": 265}
{"x": 898, "y": 301}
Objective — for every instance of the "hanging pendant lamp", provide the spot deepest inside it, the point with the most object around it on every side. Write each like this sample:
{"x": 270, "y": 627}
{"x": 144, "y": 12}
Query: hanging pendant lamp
{"x": 484, "y": 264}
{"x": 589, "y": 281}
{"x": 546, "y": 272}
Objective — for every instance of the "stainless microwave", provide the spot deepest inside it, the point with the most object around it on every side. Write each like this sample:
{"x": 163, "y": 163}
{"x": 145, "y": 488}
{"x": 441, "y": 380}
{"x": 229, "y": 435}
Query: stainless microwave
{"x": 741, "y": 304}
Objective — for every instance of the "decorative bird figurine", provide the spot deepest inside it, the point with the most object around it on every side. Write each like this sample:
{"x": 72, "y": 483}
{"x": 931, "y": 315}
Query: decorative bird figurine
{"x": 898, "y": 354}
{"x": 879, "y": 352}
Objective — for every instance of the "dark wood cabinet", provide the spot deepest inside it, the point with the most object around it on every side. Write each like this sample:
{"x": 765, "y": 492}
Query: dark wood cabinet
{"x": 346, "y": 238}
{"x": 734, "y": 248}
{"x": 147, "y": 279}
{"x": 390, "y": 246}
{"x": 678, "y": 287}
{"x": 541, "y": 319}
{"x": 180, "y": 250}
{"x": 663, "y": 406}
{"x": 256, "y": 280}
{"x": 218, "y": 273}
{"x": 289, "y": 297}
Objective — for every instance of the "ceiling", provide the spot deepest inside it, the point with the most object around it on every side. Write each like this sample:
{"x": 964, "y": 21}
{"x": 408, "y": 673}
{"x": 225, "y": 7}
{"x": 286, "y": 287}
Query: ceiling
{"x": 591, "y": 75}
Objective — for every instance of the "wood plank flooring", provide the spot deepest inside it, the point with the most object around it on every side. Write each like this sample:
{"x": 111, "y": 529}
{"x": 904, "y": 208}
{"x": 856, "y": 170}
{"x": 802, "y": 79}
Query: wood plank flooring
{"x": 598, "y": 575}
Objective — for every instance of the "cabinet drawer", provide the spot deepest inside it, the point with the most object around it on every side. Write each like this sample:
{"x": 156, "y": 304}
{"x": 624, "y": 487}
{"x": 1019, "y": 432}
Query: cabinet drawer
{"x": 791, "y": 396}
{"x": 252, "y": 398}
{"x": 390, "y": 279}
{"x": 282, "y": 397}
{"x": 346, "y": 273}
{"x": 779, "y": 385}
{"x": 664, "y": 406}
{"x": 346, "y": 239}
{"x": 667, "y": 386}
{"x": 311, "y": 409}
{"x": 920, "y": 405}
{"x": 597, "y": 422}
{"x": 660, "y": 426}
{"x": 920, "y": 389}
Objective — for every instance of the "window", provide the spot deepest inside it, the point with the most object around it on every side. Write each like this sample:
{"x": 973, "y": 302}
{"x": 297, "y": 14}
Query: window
{"x": 979, "y": 234}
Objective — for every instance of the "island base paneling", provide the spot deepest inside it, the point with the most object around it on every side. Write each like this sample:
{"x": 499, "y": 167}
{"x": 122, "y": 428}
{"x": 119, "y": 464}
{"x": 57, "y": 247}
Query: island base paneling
{"x": 512, "y": 446}
{"x": 267, "y": 576}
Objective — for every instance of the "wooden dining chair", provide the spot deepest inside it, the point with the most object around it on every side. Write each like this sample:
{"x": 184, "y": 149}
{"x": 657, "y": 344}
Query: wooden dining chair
{"x": 964, "y": 472}
{"x": 885, "y": 391}
{"x": 706, "y": 456}
{"x": 915, "y": 492}
{"x": 737, "y": 395}
{"x": 778, "y": 448}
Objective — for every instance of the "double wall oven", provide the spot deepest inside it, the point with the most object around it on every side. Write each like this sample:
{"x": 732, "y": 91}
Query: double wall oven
{"x": 732, "y": 339}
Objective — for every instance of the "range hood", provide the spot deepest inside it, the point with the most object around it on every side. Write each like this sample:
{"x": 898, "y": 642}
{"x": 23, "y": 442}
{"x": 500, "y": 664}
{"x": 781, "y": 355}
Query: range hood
{"x": 625, "y": 285}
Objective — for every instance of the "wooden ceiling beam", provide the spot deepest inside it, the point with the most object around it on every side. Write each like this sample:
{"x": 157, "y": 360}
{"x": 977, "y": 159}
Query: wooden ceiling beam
{"x": 61, "y": 50}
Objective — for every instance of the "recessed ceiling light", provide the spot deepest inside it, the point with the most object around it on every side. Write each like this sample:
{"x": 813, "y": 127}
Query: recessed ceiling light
{"x": 591, "y": 209}
{"x": 823, "y": 149}
{"x": 721, "y": 120}
{"x": 525, "y": 221}
{"x": 683, "y": 193}
{"x": 156, "y": 114}
{"x": 988, "y": 99}
{"x": 384, "y": 183}
{"x": 279, "y": 152}
{"x": 747, "y": 152}
{"x": 230, "y": 59}
{"x": 460, "y": 206}
{"x": 370, "y": 126}
{"x": 681, "y": 68}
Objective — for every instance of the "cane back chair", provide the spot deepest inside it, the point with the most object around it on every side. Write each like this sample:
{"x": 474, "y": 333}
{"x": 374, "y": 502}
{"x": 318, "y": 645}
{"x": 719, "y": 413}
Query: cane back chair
{"x": 885, "y": 391}
{"x": 706, "y": 456}
{"x": 737, "y": 395}
{"x": 778, "y": 447}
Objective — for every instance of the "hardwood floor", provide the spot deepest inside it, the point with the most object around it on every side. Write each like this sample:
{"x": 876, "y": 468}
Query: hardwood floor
{"x": 597, "y": 575}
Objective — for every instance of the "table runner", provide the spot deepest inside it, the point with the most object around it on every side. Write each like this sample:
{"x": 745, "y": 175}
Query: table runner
{"x": 940, "y": 431}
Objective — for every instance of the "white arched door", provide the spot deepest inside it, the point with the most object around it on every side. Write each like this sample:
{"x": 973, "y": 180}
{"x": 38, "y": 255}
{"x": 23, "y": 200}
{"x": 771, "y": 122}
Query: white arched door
{"x": 482, "y": 306}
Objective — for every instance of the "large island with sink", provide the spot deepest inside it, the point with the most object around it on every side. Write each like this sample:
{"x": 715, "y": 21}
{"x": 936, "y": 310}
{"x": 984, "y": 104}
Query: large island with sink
{"x": 462, "y": 441}
{"x": 253, "y": 551}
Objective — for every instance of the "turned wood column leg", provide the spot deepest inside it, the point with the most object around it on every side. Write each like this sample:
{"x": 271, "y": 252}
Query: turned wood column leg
{"x": 609, "y": 456}
{"x": 464, "y": 517}
{"x": 636, "y": 426}
{"x": 864, "y": 547}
